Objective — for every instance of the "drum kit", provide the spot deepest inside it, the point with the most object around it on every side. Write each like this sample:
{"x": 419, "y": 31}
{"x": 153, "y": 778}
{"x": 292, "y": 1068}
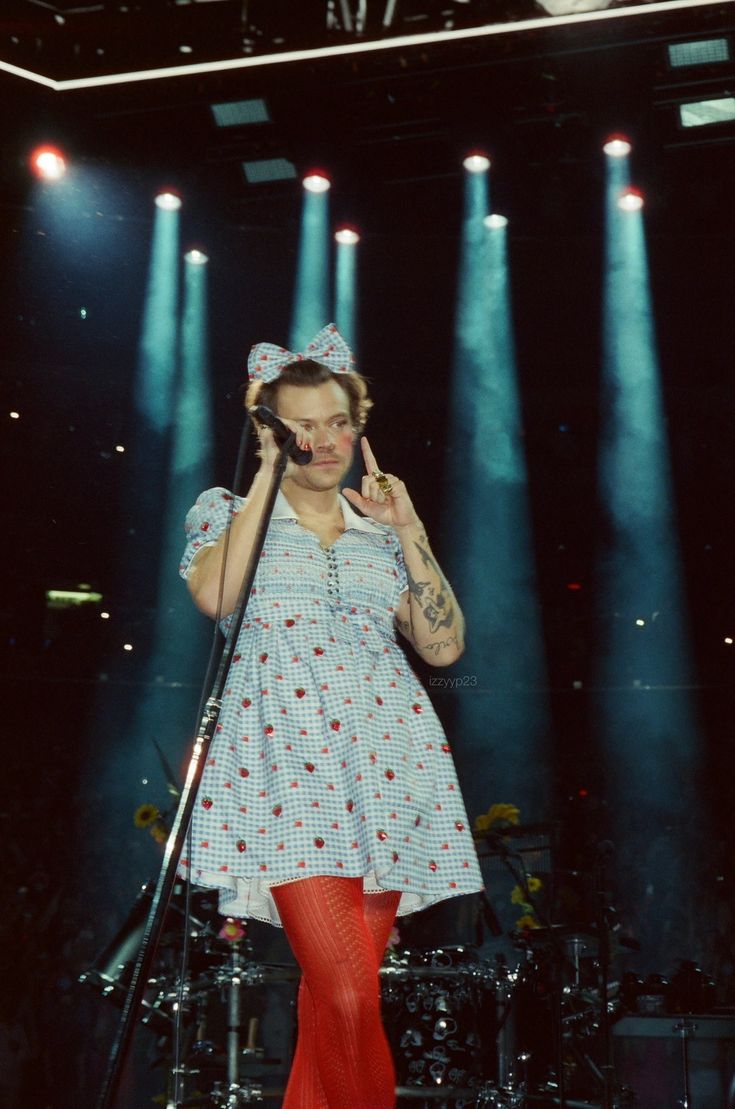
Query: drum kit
{"x": 466, "y": 1030}
{"x": 470, "y": 1032}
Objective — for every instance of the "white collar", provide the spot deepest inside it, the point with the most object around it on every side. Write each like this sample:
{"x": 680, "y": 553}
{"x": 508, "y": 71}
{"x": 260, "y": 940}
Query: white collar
{"x": 282, "y": 510}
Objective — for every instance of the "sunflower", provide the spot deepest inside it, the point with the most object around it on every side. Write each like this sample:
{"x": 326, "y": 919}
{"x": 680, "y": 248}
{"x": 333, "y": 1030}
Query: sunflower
{"x": 145, "y": 814}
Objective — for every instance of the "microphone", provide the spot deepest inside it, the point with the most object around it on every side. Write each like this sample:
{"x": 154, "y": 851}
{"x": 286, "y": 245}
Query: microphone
{"x": 281, "y": 433}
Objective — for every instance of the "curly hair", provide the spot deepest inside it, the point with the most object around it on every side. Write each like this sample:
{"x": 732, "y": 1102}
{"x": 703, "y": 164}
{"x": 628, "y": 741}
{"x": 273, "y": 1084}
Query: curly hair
{"x": 309, "y": 373}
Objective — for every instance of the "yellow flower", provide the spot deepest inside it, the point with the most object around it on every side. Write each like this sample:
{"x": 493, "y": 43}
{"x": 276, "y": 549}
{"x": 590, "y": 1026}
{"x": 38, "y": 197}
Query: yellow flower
{"x": 527, "y": 921}
{"x": 520, "y": 893}
{"x": 503, "y": 814}
{"x": 159, "y": 831}
{"x": 145, "y": 814}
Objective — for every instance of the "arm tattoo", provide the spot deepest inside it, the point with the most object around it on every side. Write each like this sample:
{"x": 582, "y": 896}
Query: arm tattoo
{"x": 435, "y": 605}
{"x": 436, "y": 647}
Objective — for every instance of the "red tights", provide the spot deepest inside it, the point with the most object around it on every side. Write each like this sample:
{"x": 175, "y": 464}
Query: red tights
{"x": 338, "y": 935}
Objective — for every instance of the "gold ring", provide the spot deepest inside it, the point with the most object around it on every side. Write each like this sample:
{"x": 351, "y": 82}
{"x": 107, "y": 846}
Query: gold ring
{"x": 383, "y": 483}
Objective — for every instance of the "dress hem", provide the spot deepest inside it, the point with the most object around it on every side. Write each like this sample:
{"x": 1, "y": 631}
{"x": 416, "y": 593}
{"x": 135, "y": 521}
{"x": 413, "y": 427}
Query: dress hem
{"x": 250, "y": 898}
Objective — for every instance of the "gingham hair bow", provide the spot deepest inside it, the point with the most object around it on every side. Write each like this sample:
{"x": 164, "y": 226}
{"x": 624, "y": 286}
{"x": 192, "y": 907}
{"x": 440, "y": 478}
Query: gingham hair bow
{"x": 266, "y": 360}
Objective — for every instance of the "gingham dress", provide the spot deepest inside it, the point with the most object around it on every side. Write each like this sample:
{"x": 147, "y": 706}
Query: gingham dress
{"x": 328, "y": 757}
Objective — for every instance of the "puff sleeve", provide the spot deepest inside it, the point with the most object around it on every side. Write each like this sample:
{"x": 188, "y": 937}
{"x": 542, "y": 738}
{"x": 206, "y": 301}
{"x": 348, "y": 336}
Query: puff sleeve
{"x": 205, "y": 521}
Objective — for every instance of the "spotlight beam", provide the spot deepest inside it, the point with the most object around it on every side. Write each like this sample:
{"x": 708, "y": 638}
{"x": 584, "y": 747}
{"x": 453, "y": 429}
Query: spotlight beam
{"x": 646, "y": 715}
{"x": 345, "y": 285}
{"x": 311, "y": 293}
{"x": 505, "y": 731}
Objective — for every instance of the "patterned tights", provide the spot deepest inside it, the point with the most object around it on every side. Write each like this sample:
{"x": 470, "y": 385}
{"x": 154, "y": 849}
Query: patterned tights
{"x": 339, "y": 936}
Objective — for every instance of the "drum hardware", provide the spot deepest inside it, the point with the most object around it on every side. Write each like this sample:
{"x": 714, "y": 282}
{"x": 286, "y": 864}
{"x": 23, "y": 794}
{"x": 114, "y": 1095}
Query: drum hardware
{"x": 248, "y": 973}
{"x": 432, "y": 1001}
{"x": 568, "y": 1103}
{"x": 457, "y": 1029}
{"x": 457, "y": 1095}
{"x": 225, "y": 1096}
{"x": 213, "y": 991}
{"x": 444, "y": 992}
{"x": 686, "y": 1029}
{"x": 623, "y": 1099}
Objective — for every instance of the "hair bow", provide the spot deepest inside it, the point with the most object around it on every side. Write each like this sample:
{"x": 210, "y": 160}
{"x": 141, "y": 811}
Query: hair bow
{"x": 266, "y": 360}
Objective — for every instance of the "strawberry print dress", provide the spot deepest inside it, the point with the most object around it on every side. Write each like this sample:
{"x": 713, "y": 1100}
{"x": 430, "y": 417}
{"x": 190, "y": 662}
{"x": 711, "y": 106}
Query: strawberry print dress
{"x": 328, "y": 757}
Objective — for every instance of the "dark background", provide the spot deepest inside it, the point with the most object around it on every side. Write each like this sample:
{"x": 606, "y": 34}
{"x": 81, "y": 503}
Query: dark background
{"x": 392, "y": 130}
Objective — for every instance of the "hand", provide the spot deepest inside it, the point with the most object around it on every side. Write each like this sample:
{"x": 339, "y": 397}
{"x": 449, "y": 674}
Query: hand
{"x": 394, "y": 508}
{"x": 269, "y": 449}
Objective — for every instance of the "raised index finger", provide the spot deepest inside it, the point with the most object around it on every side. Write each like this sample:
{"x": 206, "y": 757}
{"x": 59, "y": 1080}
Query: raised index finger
{"x": 370, "y": 461}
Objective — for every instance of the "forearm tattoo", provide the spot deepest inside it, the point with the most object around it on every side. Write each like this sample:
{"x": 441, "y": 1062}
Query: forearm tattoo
{"x": 432, "y": 595}
{"x": 439, "y": 644}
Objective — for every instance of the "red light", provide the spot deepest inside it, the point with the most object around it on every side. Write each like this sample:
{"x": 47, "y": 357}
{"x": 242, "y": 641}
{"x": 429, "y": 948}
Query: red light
{"x": 583, "y": 793}
{"x": 48, "y": 163}
{"x": 630, "y": 200}
{"x": 575, "y": 586}
{"x": 617, "y": 146}
{"x": 316, "y": 181}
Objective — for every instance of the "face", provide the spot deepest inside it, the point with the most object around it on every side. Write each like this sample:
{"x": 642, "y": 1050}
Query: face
{"x": 324, "y": 411}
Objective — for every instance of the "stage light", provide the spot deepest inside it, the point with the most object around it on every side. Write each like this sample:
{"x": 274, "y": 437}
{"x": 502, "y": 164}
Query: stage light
{"x": 168, "y": 201}
{"x": 120, "y": 448}
{"x": 640, "y": 623}
{"x": 71, "y": 598}
{"x": 617, "y": 146}
{"x": 347, "y": 236}
{"x": 15, "y": 415}
{"x": 127, "y": 646}
{"x": 704, "y": 113}
{"x": 316, "y": 182}
{"x": 240, "y": 113}
{"x": 104, "y": 616}
{"x": 476, "y": 163}
{"x": 728, "y": 640}
{"x": 196, "y": 257}
{"x": 631, "y": 200}
{"x": 48, "y": 163}
{"x": 699, "y": 52}
{"x": 495, "y": 222}
{"x": 269, "y": 169}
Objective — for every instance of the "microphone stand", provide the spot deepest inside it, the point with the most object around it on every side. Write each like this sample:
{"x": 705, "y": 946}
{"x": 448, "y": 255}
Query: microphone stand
{"x": 174, "y": 845}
